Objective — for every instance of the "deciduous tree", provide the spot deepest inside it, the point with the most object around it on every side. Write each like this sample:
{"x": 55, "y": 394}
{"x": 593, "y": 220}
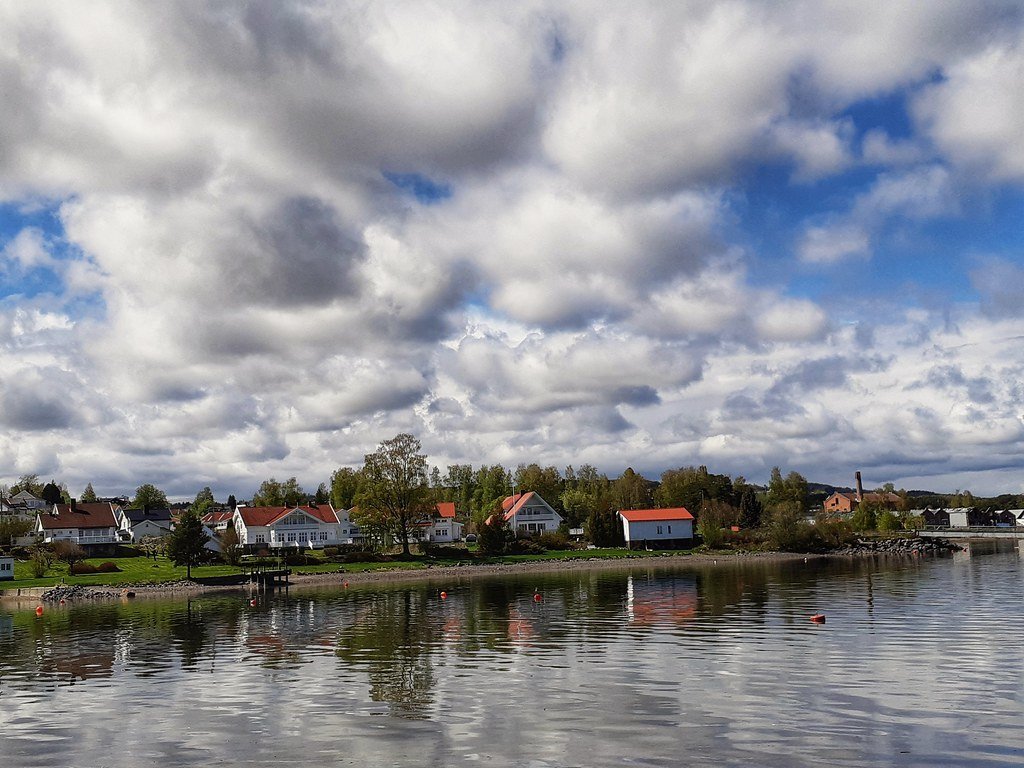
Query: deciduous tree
{"x": 149, "y": 496}
{"x": 88, "y": 495}
{"x": 395, "y": 490}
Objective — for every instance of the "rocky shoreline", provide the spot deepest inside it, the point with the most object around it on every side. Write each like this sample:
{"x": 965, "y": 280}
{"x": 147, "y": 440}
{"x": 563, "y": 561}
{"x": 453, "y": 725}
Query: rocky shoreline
{"x": 902, "y": 546}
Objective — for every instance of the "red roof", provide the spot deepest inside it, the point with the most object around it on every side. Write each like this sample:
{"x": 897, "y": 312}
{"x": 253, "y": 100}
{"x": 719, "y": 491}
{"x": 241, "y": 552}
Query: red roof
{"x": 217, "y": 516}
{"x": 262, "y": 516}
{"x": 650, "y": 515}
{"x": 512, "y": 504}
{"x": 446, "y": 509}
{"x": 85, "y": 515}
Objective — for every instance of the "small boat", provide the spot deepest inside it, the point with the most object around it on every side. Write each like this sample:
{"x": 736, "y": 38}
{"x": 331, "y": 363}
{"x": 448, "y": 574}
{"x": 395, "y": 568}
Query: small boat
{"x": 818, "y": 618}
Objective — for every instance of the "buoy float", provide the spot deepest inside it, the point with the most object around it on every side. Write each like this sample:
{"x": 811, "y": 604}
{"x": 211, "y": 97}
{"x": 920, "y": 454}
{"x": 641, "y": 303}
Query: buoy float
{"x": 444, "y": 595}
{"x": 536, "y": 597}
{"x": 345, "y": 584}
{"x": 252, "y": 603}
{"x": 62, "y": 602}
{"x": 39, "y": 610}
{"x": 818, "y": 618}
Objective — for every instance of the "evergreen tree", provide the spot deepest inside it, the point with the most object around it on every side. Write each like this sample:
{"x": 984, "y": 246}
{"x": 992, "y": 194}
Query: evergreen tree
{"x": 88, "y": 495}
{"x": 187, "y": 542}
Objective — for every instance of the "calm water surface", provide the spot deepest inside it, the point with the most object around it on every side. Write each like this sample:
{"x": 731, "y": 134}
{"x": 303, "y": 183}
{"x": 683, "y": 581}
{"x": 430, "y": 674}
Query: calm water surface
{"x": 920, "y": 664}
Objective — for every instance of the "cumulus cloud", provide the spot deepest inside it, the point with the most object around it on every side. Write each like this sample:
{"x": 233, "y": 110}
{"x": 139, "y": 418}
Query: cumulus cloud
{"x": 243, "y": 285}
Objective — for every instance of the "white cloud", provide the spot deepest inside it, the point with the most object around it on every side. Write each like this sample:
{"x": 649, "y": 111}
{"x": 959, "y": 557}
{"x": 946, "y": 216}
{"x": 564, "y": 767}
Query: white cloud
{"x": 975, "y": 114}
{"x": 252, "y": 296}
{"x": 828, "y": 245}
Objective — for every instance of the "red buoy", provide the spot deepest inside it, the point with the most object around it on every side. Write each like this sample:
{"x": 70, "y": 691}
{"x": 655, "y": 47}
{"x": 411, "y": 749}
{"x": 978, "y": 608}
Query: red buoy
{"x": 818, "y": 618}
{"x": 536, "y": 597}
{"x": 345, "y": 584}
{"x": 39, "y": 610}
{"x": 444, "y": 595}
{"x": 252, "y": 603}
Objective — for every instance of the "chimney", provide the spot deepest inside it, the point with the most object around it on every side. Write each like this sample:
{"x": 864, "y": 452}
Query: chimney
{"x": 74, "y": 505}
{"x": 860, "y": 487}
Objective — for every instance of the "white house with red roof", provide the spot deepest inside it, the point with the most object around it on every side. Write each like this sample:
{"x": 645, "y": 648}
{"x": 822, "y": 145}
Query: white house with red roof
{"x": 308, "y": 527}
{"x": 663, "y": 527}
{"x": 82, "y": 523}
{"x": 441, "y": 526}
{"x": 529, "y": 513}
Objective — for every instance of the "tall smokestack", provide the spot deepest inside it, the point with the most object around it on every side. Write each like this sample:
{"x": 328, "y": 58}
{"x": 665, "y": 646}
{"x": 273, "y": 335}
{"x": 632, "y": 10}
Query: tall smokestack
{"x": 860, "y": 487}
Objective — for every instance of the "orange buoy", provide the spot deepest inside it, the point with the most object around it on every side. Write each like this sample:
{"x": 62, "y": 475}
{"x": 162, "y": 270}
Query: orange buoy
{"x": 444, "y": 595}
{"x": 536, "y": 597}
{"x": 62, "y": 602}
{"x": 818, "y": 618}
{"x": 252, "y": 603}
{"x": 39, "y": 610}
{"x": 345, "y": 584}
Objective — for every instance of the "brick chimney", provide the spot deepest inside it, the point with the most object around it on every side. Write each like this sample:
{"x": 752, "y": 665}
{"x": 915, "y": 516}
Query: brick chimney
{"x": 860, "y": 488}
{"x": 74, "y": 505}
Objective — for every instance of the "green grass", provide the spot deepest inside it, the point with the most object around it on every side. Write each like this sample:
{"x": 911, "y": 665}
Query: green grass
{"x": 143, "y": 570}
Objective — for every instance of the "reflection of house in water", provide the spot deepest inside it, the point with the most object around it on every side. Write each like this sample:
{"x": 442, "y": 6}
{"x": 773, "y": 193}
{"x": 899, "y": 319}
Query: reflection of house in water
{"x": 79, "y": 663}
{"x": 654, "y": 601}
{"x": 6, "y": 627}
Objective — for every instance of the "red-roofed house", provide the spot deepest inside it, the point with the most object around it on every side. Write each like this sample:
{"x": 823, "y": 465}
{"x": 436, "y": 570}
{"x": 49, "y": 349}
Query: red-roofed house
{"x": 439, "y": 527}
{"x": 664, "y": 527}
{"x": 309, "y": 527}
{"x": 529, "y": 513}
{"x": 83, "y": 523}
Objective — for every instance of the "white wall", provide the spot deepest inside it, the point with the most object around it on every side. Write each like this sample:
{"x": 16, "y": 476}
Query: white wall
{"x": 648, "y": 530}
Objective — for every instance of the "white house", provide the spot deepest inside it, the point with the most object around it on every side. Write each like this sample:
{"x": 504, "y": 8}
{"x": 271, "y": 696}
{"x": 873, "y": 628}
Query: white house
{"x": 672, "y": 527}
{"x": 6, "y": 568}
{"x": 27, "y": 499}
{"x": 441, "y": 526}
{"x": 529, "y": 513}
{"x": 309, "y": 527}
{"x": 137, "y": 524}
{"x": 85, "y": 524}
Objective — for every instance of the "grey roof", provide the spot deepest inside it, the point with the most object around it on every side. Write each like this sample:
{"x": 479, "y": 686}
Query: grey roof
{"x": 153, "y": 515}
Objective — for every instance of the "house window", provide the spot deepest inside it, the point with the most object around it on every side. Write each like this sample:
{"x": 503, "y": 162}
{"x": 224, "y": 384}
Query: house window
{"x": 659, "y": 530}
{"x": 261, "y": 539}
{"x": 291, "y": 537}
{"x": 323, "y": 535}
{"x": 670, "y": 529}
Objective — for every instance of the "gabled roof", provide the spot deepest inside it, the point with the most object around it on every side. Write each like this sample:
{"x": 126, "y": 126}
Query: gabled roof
{"x": 217, "y": 516}
{"x": 86, "y": 515}
{"x": 154, "y": 515}
{"x": 512, "y": 504}
{"x": 263, "y": 516}
{"x": 446, "y": 509}
{"x": 651, "y": 515}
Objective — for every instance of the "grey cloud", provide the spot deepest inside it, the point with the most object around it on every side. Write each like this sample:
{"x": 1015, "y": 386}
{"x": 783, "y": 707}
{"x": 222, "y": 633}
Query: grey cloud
{"x": 304, "y": 255}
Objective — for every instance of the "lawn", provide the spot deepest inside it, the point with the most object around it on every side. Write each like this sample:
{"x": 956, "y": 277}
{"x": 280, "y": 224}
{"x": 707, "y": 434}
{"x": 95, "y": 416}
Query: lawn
{"x": 144, "y": 570}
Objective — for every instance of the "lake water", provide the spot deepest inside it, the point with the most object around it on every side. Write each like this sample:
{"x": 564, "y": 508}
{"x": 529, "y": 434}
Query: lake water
{"x": 920, "y": 663}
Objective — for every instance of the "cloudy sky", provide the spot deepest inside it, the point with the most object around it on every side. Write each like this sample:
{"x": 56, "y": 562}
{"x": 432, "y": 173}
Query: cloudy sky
{"x": 257, "y": 238}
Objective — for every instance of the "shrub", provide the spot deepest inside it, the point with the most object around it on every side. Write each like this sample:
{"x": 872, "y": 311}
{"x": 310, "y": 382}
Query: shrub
{"x": 525, "y": 546}
{"x": 362, "y": 556}
{"x": 554, "y": 540}
{"x": 40, "y": 560}
{"x": 833, "y": 531}
{"x": 443, "y": 552}
{"x": 107, "y": 567}
{"x": 888, "y": 522}
{"x": 493, "y": 536}
{"x": 82, "y": 568}
{"x": 301, "y": 558}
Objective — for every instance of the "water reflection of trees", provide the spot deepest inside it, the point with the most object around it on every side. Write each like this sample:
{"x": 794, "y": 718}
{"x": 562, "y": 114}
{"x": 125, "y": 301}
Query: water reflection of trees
{"x": 393, "y": 638}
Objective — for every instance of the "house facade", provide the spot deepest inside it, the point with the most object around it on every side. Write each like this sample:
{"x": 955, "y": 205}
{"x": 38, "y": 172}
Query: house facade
{"x": 662, "y": 527}
{"x": 529, "y": 513}
{"x": 308, "y": 527}
{"x": 441, "y": 526}
{"x": 137, "y": 524}
{"x": 87, "y": 524}
{"x": 6, "y": 568}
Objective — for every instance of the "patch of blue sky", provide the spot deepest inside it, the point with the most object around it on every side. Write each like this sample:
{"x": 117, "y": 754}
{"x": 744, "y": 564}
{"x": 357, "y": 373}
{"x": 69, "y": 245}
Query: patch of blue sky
{"x": 17, "y": 216}
{"x": 424, "y": 189}
{"x": 925, "y": 261}
{"x": 887, "y": 112}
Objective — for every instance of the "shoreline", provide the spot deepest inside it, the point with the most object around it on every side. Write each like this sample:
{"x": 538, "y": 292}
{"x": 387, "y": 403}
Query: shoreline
{"x": 303, "y": 581}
